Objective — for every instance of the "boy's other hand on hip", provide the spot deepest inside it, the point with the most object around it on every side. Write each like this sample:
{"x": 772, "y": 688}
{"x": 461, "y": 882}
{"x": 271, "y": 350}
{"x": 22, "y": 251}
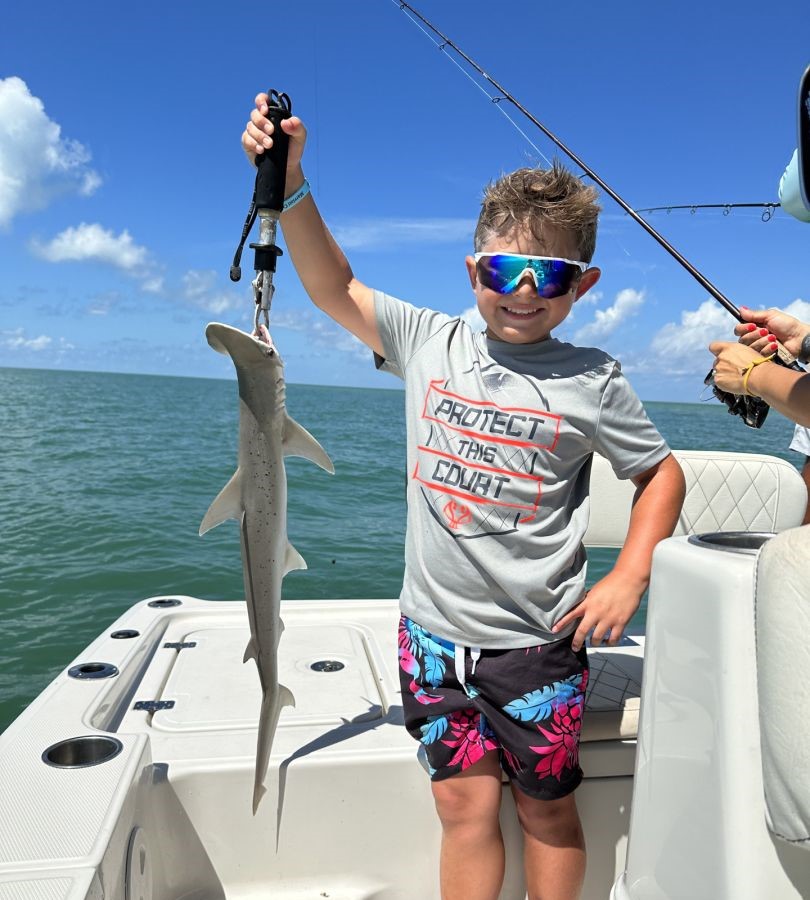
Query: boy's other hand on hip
{"x": 605, "y": 610}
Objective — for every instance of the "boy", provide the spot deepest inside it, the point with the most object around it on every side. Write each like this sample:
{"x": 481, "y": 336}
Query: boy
{"x": 501, "y": 430}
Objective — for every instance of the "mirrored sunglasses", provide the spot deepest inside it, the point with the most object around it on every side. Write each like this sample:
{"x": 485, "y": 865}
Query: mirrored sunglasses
{"x": 553, "y": 277}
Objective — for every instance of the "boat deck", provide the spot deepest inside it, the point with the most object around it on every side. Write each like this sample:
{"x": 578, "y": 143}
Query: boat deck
{"x": 197, "y": 753}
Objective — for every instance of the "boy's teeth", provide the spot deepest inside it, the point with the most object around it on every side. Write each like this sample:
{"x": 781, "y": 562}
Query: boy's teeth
{"x": 520, "y": 312}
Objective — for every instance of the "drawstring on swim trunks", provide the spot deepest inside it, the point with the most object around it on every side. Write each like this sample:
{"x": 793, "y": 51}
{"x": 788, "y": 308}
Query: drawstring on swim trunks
{"x": 460, "y": 652}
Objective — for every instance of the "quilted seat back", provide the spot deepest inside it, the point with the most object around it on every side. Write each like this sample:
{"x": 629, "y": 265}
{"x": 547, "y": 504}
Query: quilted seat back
{"x": 724, "y": 492}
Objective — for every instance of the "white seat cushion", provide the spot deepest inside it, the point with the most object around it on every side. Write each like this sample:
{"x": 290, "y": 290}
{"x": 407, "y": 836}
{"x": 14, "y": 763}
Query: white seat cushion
{"x": 782, "y": 609}
{"x": 724, "y": 492}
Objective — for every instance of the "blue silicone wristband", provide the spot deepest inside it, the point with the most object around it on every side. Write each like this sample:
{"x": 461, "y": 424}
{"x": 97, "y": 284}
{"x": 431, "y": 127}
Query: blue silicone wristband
{"x": 297, "y": 197}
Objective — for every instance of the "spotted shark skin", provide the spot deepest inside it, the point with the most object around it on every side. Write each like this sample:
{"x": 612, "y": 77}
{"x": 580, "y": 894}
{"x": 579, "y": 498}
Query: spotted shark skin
{"x": 256, "y": 497}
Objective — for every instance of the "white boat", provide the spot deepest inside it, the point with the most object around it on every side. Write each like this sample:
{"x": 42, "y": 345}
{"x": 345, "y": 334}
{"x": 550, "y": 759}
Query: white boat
{"x": 130, "y": 777}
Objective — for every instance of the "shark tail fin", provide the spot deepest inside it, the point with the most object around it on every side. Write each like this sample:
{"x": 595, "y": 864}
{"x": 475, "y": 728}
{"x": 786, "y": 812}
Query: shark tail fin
{"x": 268, "y": 720}
{"x": 226, "y": 505}
{"x": 299, "y": 442}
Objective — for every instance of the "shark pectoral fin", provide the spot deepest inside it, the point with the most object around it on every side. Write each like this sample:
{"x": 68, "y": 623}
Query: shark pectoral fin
{"x": 227, "y": 505}
{"x": 250, "y": 652}
{"x": 293, "y": 560}
{"x": 285, "y": 696}
{"x": 299, "y": 442}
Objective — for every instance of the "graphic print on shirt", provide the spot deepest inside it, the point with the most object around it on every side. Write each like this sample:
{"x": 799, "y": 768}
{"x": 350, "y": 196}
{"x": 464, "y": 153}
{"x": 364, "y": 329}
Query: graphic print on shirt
{"x": 477, "y": 461}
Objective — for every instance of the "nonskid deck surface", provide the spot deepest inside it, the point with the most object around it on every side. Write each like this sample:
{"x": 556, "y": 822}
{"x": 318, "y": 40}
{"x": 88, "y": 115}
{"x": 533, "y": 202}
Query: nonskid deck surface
{"x": 339, "y": 659}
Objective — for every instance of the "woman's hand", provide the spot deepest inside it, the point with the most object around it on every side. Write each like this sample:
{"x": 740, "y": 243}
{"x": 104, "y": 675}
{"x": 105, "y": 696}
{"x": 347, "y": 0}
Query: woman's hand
{"x": 730, "y": 364}
{"x": 763, "y": 327}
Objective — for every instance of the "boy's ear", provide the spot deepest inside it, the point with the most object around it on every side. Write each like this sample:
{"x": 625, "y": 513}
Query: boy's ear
{"x": 469, "y": 261}
{"x": 587, "y": 281}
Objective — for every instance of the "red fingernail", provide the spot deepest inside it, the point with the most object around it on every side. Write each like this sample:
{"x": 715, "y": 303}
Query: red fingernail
{"x": 743, "y": 307}
{"x": 751, "y": 327}
{"x": 771, "y": 337}
{"x": 763, "y": 331}
{"x": 774, "y": 346}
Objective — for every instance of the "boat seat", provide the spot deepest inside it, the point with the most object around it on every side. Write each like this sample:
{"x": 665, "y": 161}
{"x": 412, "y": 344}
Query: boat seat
{"x": 724, "y": 492}
{"x": 782, "y": 611}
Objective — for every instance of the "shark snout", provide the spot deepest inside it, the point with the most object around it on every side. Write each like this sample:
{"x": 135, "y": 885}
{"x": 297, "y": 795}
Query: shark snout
{"x": 239, "y": 345}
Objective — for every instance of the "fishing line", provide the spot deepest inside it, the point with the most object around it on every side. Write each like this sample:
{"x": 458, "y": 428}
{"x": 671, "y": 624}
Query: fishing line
{"x": 701, "y": 279}
{"x": 495, "y": 100}
{"x": 752, "y": 409}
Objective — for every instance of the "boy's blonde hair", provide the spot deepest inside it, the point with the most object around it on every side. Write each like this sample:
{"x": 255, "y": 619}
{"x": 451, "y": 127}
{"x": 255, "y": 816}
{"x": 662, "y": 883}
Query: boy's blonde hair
{"x": 529, "y": 198}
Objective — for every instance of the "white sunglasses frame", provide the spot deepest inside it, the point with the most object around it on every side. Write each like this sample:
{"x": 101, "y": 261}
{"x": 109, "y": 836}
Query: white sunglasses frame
{"x": 583, "y": 266}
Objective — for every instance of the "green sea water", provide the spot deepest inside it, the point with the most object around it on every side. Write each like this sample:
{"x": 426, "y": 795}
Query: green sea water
{"x": 104, "y": 480}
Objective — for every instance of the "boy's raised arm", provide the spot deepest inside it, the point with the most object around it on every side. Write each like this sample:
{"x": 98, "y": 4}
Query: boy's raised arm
{"x": 320, "y": 263}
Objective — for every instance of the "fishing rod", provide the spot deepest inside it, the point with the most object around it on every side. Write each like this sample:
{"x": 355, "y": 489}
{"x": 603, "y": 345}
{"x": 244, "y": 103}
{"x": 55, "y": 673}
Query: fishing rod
{"x": 769, "y": 208}
{"x": 753, "y": 410}
{"x": 266, "y": 204}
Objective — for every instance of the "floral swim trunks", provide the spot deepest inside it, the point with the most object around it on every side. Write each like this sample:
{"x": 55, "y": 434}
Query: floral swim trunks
{"x": 527, "y": 704}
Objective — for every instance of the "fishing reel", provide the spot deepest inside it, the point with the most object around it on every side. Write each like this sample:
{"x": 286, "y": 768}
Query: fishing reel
{"x": 752, "y": 410}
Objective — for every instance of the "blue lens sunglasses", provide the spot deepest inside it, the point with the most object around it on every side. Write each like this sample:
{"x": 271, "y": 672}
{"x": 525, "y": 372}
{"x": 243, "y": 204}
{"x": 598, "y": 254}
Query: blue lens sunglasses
{"x": 553, "y": 277}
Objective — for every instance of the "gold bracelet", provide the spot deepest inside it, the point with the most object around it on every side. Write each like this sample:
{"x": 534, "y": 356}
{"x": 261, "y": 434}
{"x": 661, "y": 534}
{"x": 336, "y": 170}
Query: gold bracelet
{"x": 746, "y": 372}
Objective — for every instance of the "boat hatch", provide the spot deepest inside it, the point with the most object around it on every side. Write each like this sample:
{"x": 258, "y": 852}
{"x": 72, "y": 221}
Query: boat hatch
{"x": 326, "y": 666}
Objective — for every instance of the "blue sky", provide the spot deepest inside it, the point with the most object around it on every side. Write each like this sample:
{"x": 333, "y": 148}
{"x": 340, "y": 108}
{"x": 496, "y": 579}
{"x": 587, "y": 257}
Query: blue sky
{"x": 123, "y": 188}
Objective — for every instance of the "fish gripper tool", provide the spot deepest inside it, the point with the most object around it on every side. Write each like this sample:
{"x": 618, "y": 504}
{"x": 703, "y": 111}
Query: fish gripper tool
{"x": 267, "y": 204}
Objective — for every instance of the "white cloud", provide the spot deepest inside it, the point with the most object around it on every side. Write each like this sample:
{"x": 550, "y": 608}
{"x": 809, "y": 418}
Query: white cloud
{"x": 200, "y": 289}
{"x": 681, "y": 348}
{"x": 370, "y": 234}
{"x": 800, "y": 309}
{"x": 18, "y": 342}
{"x": 93, "y": 243}
{"x": 322, "y": 330}
{"x": 592, "y": 298}
{"x": 474, "y": 319}
{"x": 606, "y": 321}
{"x": 37, "y": 164}
{"x": 153, "y": 285}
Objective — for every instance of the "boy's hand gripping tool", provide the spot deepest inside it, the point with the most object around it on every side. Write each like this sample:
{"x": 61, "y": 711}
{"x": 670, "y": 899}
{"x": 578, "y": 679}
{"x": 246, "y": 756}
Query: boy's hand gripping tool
{"x": 267, "y": 203}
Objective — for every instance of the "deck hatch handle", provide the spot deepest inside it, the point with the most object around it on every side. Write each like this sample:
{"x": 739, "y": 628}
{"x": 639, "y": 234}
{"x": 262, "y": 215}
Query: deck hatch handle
{"x": 179, "y": 645}
{"x": 153, "y": 705}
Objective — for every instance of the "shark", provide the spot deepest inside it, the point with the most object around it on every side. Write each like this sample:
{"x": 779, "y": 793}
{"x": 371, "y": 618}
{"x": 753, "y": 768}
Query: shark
{"x": 256, "y": 497}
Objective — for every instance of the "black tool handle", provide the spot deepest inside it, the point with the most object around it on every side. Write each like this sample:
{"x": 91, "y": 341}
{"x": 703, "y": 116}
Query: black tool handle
{"x": 272, "y": 164}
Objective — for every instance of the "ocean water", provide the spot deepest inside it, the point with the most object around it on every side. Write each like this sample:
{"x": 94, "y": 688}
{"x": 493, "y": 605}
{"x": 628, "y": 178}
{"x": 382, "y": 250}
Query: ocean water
{"x": 105, "y": 478}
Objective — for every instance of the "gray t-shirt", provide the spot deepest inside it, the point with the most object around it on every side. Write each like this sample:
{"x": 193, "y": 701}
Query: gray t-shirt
{"x": 500, "y": 441}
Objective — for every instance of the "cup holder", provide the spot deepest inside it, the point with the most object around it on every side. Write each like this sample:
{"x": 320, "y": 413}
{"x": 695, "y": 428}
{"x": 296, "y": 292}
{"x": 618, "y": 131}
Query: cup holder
{"x": 124, "y": 634}
{"x": 81, "y": 752}
{"x": 93, "y": 670}
{"x": 749, "y": 542}
{"x": 164, "y": 602}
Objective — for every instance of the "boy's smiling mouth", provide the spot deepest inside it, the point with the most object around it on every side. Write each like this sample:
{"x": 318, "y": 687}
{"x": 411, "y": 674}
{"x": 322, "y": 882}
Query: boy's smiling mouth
{"x": 522, "y": 312}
